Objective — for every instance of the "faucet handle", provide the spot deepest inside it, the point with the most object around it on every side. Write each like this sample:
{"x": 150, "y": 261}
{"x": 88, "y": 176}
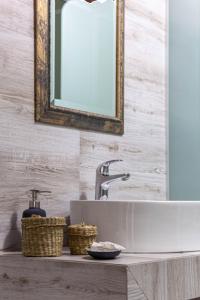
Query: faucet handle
{"x": 103, "y": 168}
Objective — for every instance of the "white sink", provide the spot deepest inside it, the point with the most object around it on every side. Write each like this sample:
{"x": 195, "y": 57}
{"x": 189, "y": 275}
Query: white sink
{"x": 143, "y": 226}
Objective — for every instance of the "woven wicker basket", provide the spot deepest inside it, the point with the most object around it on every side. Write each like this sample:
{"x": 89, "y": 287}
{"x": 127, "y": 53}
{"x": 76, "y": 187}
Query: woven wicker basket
{"x": 81, "y": 237}
{"x": 42, "y": 236}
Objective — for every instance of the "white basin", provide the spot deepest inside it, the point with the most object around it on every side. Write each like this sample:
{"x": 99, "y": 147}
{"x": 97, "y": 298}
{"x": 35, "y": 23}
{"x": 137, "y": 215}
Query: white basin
{"x": 143, "y": 226}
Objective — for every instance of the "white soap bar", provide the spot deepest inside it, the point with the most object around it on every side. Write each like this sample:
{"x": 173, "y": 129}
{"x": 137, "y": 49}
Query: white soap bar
{"x": 106, "y": 246}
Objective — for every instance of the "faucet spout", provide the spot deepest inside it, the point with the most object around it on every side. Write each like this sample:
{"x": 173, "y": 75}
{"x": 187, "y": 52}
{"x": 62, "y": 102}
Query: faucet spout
{"x": 116, "y": 177}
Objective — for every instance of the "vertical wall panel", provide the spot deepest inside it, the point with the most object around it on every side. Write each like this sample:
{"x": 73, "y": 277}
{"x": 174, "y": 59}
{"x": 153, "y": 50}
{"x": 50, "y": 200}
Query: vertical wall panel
{"x": 143, "y": 145}
{"x": 31, "y": 155}
{"x": 184, "y": 99}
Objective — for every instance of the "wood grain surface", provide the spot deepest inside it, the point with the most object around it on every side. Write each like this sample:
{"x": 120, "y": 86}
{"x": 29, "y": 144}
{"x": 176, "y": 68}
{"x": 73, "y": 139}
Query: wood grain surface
{"x": 129, "y": 277}
{"x": 143, "y": 146}
{"x": 64, "y": 160}
{"x": 31, "y": 155}
{"x": 50, "y": 280}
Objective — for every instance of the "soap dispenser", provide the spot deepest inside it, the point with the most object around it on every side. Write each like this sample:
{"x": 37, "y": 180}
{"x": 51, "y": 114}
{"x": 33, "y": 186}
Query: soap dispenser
{"x": 34, "y": 205}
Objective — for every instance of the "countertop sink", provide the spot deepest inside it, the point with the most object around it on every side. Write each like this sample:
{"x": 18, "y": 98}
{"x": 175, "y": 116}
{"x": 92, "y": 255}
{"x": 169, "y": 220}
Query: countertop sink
{"x": 143, "y": 226}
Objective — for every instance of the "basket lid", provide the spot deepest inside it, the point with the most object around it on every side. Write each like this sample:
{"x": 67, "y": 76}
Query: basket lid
{"x": 82, "y": 229}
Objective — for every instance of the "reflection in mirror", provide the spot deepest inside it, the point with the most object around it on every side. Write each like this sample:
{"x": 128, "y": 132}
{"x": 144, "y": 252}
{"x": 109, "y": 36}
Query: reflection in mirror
{"x": 83, "y": 55}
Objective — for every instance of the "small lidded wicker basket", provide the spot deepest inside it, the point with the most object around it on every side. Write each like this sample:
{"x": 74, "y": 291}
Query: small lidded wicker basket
{"x": 81, "y": 237}
{"x": 42, "y": 236}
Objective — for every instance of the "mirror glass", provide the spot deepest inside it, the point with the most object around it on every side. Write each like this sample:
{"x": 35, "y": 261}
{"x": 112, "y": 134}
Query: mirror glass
{"x": 83, "y": 55}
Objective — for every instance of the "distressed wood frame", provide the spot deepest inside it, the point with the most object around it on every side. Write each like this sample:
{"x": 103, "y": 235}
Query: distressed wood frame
{"x": 50, "y": 114}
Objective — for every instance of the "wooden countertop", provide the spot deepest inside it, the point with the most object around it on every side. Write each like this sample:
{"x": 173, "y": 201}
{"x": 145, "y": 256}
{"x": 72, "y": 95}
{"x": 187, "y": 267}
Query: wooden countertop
{"x": 168, "y": 276}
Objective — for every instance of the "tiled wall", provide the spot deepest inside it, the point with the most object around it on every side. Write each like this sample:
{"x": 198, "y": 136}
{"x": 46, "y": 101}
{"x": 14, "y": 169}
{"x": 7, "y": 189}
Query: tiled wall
{"x": 64, "y": 160}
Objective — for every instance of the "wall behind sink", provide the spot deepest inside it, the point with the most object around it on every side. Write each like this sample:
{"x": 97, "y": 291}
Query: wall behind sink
{"x": 64, "y": 160}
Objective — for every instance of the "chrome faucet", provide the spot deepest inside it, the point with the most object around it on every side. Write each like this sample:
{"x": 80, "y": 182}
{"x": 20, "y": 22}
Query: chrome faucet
{"x": 103, "y": 179}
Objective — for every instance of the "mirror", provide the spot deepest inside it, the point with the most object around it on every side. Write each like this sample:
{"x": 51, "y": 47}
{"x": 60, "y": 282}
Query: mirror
{"x": 79, "y": 53}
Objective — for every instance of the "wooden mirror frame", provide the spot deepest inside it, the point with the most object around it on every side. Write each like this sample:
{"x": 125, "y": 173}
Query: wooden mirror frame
{"x": 50, "y": 114}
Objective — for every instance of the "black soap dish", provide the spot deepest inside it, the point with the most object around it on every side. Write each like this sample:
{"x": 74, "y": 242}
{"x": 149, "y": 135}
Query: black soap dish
{"x": 104, "y": 254}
